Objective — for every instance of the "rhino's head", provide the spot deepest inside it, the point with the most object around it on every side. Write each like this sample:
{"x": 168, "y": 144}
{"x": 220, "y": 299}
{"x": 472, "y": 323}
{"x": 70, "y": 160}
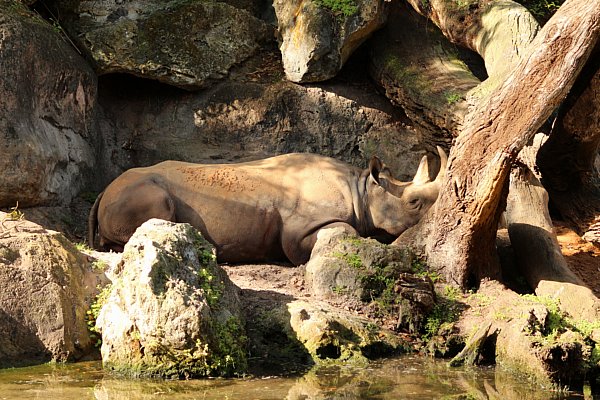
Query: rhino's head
{"x": 395, "y": 206}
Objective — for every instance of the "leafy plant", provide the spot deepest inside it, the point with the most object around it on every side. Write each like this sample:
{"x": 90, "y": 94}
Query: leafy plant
{"x": 94, "y": 311}
{"x": 446, "y": 311}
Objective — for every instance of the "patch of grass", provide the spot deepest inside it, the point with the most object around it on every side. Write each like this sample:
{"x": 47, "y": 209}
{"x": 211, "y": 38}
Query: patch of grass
{"x": 99, "y": 265}
{"x": 83, "y": 247}
{"x": 482, "y": 300}
{"x": 339, "y": 290}
{"x": 556, "y": 322}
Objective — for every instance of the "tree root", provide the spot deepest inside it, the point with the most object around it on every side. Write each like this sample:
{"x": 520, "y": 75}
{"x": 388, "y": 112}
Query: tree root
{"x": 527, "y": 335}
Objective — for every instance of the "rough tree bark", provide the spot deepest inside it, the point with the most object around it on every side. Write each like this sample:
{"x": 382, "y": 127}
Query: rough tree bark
{"x": 460, "y": 229}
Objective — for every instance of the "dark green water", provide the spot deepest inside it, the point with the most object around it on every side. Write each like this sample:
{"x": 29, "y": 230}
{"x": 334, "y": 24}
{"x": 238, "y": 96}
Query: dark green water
{"x": 401, "y": 378}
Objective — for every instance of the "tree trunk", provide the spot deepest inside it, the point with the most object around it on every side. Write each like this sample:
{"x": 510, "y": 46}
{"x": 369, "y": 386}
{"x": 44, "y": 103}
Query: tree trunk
{"x": 498, "y": 30}
{"x": 463, "y": 222}
{"x": 566, "y": 160}
{"x": 537, "y": 251}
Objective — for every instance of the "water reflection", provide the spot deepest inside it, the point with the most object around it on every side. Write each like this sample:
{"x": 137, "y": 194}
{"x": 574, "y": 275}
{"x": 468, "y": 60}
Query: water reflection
{"x": 403, "y": 378}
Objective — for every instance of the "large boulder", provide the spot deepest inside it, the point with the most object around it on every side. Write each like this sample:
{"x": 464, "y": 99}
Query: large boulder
{"x": 317, "y": 37}
{"x": 187, "y": 44}
{"x": 47, "y": 103}
{"x": 172, "y": 311}
{"x": 47, "y": 288}
{"x": 382, "y": 279}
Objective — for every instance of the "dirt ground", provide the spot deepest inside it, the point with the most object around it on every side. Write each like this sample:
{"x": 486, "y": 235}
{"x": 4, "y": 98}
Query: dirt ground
{"x": 583, "y": 257}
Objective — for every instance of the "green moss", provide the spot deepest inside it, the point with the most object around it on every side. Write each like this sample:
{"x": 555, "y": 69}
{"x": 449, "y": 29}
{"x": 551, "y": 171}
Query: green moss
{"x": 347, "y": 8}
{"x": 352, "y": 259}
{"x": 452, "y": 97}
{"x": 556, "y": 321}
{"x": 208, "y": 276}
{"x": 226, "y": 356}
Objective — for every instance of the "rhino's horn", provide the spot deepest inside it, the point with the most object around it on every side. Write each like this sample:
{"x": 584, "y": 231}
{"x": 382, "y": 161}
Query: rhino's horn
{"x": 443, "y": 164}
{"x": 422, "y": 175}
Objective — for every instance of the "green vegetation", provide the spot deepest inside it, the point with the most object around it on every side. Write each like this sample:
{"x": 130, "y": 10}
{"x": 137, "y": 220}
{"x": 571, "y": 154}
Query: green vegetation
{"x": 99, "y": 265}
{"x": 542, "y": 10}
{"x": 452, "y": 97}
{"x": 421, "y": 270}
{"x": 339, "y": 290}
{"x": 226, "y": 356}
{"x": 445, "y": 312}
{"x": 229, "y": 354}
{"x": 89, "y": 197}
{"x": 352, "y": 259}
{"x": 94, "y": 311}
{"x": 82, "y": 247}
{"x": 210, "y": 285}
{"x": 347, "y": 8}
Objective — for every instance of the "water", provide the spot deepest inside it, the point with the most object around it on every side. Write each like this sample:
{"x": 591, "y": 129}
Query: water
{"x": 402, "y": 378}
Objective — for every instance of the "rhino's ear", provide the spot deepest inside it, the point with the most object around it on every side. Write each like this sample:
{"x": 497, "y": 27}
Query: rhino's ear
{"x": 375, "y": 167}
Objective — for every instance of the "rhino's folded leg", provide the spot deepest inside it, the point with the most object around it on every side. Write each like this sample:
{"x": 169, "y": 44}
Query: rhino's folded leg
{"x": 298, "y": 251}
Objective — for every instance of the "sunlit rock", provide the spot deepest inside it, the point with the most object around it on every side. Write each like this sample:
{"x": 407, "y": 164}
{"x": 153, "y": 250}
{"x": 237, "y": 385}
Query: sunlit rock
{"x": 172, "y": 311}
{"x": 317, "y": 37}
{"x": 47, "y": 288}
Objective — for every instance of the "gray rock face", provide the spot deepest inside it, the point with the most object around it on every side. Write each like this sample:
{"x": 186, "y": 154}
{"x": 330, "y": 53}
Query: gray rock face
{"x": 172, "y": 311}
{"x": 47, "y": 287}
{"x": 316, "y": 40}
{"x": 47, "y": 106}
{"x": 235, "y": 121}
{"x": 183, "y": 43}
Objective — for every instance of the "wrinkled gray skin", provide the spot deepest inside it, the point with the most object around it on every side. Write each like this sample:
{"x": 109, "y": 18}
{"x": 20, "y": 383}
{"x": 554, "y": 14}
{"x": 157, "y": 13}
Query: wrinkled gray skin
{"x": 266, "y": 210}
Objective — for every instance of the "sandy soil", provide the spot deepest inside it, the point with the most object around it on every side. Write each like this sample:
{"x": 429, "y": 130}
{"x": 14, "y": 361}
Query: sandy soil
{"x": 583, "y": 257}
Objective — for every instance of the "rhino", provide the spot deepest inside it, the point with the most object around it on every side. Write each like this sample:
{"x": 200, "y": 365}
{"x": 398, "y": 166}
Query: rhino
{"x": 265, "y": 210}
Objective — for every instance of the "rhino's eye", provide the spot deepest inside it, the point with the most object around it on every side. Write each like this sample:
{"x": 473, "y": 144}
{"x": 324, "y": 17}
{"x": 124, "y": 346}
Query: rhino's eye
{"x": 414, "y": 203}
